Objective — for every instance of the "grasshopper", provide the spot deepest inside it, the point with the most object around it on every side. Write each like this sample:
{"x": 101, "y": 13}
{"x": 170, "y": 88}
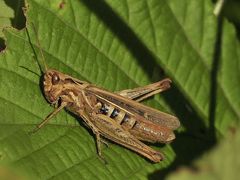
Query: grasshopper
{"x": 118, "y": 116}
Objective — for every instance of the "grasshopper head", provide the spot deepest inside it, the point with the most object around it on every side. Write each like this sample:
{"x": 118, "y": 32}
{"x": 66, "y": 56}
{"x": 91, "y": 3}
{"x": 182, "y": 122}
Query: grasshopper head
{"x": 53, "y": 85}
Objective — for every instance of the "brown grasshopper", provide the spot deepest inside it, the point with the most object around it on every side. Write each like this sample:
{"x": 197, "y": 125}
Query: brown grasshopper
{"x": 115, "y": 116}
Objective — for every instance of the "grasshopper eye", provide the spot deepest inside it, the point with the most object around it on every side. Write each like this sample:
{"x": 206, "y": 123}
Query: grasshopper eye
{"x": 55, "y": 79}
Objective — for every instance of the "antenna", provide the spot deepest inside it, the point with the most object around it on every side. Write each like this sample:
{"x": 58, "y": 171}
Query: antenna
{"x": 30, "y": 71}
{"x": 39, "y": 46}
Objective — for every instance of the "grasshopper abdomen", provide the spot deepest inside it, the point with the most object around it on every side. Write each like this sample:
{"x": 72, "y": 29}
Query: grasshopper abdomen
{"x": 138, "y": 126}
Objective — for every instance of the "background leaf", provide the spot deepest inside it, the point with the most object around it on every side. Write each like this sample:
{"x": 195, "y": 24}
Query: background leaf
{"x": 5, "y": 15}
{"x": 117, "y": 45}
{"x": 220, "y": 163}
{"x": 11, "y": 14}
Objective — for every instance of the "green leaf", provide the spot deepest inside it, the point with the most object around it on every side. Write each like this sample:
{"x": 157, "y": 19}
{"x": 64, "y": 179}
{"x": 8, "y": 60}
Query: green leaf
{"x": 221, "y": 163}
{"x": 116, "y": 45}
